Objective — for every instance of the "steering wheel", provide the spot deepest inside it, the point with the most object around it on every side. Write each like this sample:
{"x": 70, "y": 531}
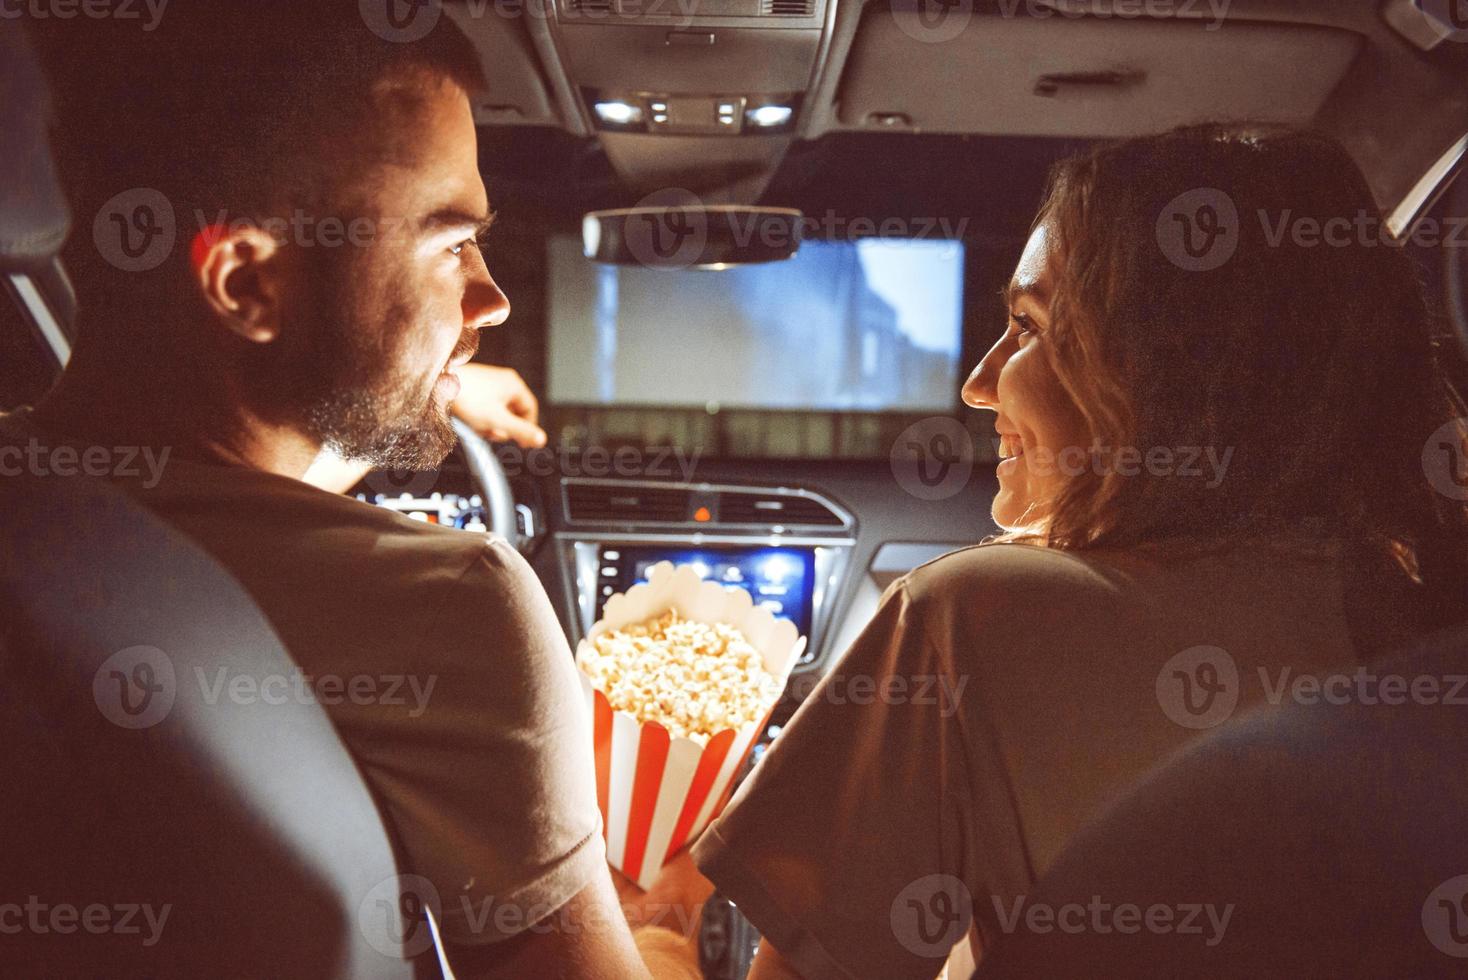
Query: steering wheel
{"x": 489, "y": 478}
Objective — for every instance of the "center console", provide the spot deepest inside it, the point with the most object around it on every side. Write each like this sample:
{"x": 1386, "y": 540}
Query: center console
{"x": 788, "y": 548}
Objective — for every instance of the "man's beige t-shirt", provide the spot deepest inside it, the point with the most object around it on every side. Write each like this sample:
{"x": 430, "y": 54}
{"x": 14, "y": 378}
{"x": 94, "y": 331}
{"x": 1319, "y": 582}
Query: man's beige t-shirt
{"x": 1000, "y": 698}
{"x": 438, "y": 658}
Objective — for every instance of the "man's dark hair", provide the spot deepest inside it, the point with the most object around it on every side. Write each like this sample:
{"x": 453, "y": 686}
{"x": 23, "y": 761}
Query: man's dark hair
{"x": 231, "y": 110}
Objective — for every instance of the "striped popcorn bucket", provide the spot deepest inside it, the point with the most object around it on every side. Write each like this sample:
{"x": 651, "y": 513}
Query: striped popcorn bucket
{"x": 658, "y": 792}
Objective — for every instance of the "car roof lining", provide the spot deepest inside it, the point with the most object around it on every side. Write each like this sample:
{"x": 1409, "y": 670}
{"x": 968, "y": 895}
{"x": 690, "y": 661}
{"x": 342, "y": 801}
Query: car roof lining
{"x": 1338, "y": 67}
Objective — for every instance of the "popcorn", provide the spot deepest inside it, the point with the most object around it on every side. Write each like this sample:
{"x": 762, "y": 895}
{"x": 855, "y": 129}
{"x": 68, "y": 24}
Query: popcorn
{"x": 695, "y": 679}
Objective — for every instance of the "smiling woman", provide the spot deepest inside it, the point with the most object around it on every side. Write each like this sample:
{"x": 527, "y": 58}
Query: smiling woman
{"x": 1165, "y": 324}
{"x": 1199, "y": 493}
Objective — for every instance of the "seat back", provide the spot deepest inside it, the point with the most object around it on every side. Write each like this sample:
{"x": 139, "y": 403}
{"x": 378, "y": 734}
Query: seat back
{"x": 34, "y": 218}
{"x": 161, "y": 753}
{"x": 171, "y": 803}
{"x": 1327, "y": 838}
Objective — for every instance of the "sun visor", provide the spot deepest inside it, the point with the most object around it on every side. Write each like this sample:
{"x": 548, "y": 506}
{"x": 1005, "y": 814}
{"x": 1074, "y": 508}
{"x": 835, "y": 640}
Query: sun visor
{"x": 1081, "y": 76}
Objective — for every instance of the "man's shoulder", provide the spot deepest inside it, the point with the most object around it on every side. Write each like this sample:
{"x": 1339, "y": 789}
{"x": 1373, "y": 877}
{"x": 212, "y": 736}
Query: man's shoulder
{"x": 315, "y": 523}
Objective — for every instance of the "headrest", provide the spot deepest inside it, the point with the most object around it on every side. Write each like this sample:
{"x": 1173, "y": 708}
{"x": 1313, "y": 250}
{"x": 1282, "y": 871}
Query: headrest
{"x": 33, "y": 214}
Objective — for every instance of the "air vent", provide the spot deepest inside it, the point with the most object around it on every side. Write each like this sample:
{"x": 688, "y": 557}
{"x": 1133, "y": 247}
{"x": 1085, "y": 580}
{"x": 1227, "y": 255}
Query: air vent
{"x": 590, "y": 6}
{"x": 614, "y": 503}
{"x": 770, "y": 509}
{"x": 787, "y": 8}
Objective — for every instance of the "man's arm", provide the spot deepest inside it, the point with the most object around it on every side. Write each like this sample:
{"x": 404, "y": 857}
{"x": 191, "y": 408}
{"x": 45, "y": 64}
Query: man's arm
{"x": 599, "y": 935}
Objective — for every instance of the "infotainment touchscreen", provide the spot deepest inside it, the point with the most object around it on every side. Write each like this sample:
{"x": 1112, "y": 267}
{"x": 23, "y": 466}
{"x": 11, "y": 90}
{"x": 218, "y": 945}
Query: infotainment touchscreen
{"x": 781, "y": 580}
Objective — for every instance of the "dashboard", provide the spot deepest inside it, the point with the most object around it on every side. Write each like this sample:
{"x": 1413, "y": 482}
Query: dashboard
{"x": 779, "y": 579}
{"x": 461, "y": 510}
{"x": 814, "y": 542}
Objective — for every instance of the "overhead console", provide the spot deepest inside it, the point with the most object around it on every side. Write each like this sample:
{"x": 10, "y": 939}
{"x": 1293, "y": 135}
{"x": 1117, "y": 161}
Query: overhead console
{"x": 688, "y": 91}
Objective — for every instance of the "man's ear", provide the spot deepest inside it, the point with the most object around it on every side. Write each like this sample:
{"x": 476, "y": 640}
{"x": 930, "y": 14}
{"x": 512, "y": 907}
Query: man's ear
{"x": 238, "y": 271}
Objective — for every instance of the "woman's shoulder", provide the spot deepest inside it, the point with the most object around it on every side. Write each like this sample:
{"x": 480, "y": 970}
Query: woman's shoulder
{"x": 997, "y": 571}
{"x": 1016, "y": 564}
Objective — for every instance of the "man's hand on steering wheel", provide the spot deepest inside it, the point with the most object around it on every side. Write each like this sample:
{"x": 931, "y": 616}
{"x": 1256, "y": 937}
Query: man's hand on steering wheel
{"x": 499, "y": 405}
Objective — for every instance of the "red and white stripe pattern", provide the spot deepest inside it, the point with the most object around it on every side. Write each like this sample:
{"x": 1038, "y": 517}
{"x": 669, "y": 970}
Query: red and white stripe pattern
{"x": 657, "y": 793}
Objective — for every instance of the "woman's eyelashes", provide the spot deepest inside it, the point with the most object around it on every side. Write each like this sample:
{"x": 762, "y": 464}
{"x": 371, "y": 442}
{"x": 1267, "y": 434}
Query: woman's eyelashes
{"x": 1022, "y": 324}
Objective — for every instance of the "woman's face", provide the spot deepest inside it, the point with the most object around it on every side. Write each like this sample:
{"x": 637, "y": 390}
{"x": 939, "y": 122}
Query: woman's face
{"x": 1042, "y": 436}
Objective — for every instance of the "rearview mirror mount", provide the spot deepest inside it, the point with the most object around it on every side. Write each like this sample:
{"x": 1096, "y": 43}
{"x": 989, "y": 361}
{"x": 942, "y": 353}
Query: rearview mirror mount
{"x": 690, "y": 236}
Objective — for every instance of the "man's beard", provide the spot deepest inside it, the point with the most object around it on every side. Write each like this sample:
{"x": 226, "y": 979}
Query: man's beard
{"x": 344, "y": 390}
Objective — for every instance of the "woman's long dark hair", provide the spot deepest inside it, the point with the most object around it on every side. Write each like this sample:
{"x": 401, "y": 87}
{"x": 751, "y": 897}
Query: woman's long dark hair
{"x": 1307, "y": 352}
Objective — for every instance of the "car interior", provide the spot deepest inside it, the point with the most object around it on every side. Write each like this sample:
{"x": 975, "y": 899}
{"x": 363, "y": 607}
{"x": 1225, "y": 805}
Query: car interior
{"x": 902, "y": 145}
